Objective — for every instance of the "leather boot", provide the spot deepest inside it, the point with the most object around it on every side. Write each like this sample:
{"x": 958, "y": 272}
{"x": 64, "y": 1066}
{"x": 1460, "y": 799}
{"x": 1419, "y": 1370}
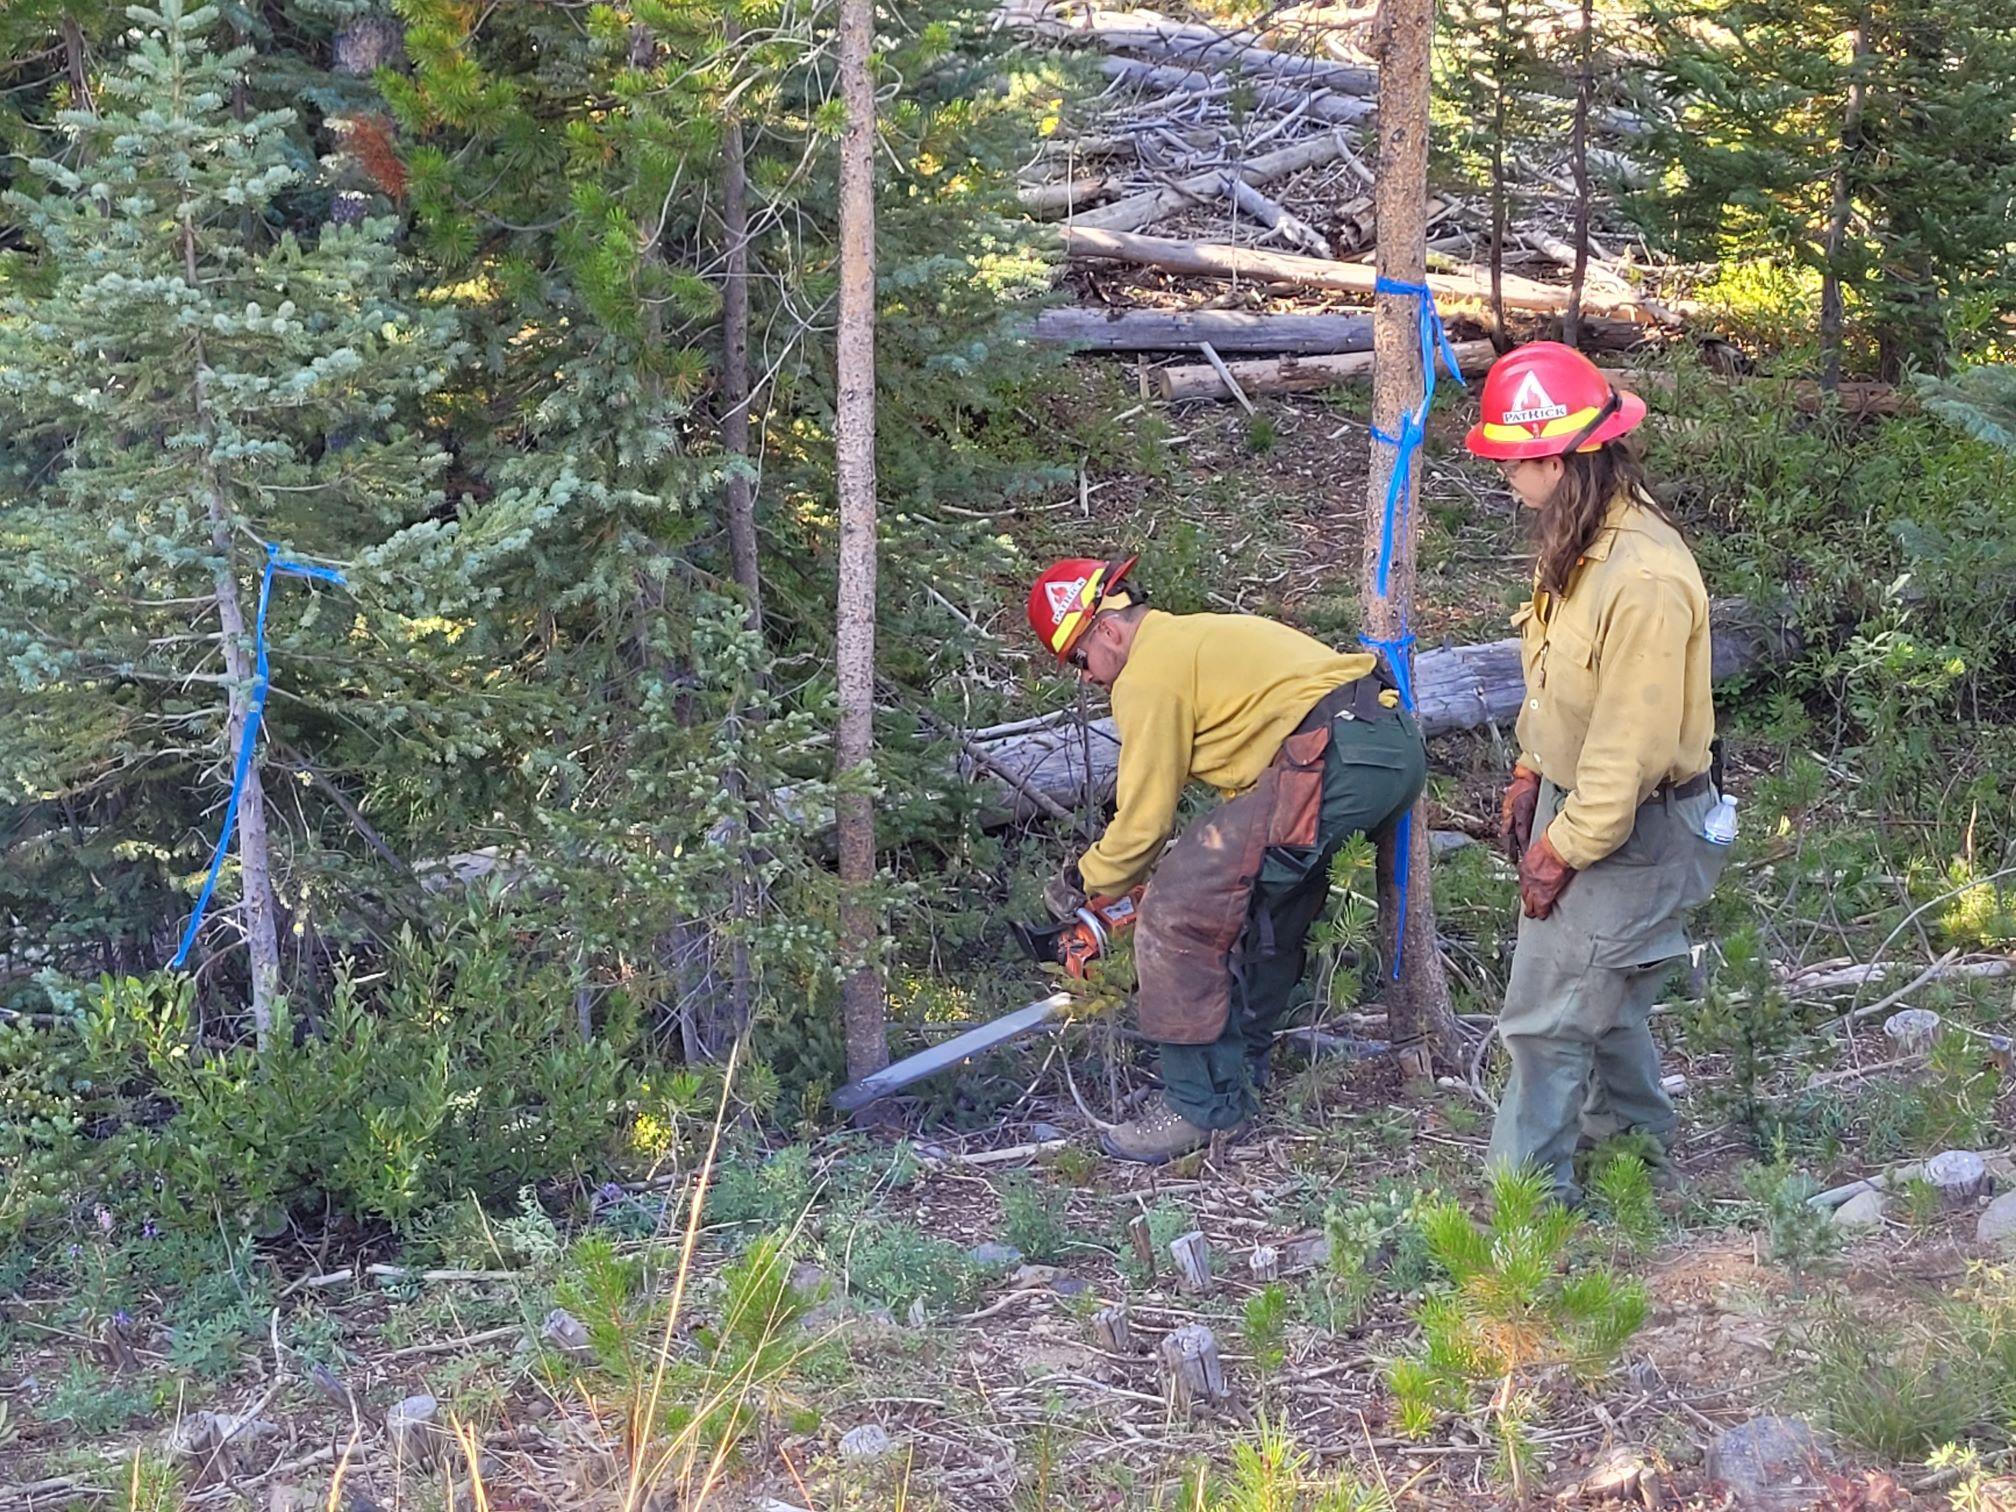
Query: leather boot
{"x": 1161, "y": 1134}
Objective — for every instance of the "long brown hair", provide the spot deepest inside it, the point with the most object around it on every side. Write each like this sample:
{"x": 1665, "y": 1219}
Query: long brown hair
{"x": 1573, "y": 515}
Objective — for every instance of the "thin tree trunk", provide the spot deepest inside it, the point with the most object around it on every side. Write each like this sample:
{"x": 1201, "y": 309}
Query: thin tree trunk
{"x": 1833, "y": 304}
{"x": 1578, "y": 162}
{"x": 854, "y": 448}
{"x": 76, "y": 65}
{"x": 1500, "y": 61}
{"x": 735, "y": 358}
{"x": 255, "y": 856}
{"x": 1418, "y": 1004}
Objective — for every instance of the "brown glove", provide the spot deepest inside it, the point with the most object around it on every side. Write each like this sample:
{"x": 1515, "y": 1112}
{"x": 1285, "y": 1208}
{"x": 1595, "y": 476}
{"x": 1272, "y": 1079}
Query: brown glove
{"x": 1515, "y": 813}
{"x": 1064, "y": 894}
{"x": 1543, "y": 877}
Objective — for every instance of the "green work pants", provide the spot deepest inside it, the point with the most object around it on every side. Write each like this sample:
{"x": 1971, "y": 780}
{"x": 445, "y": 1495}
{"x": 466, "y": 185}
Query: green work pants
{"x": 1577, "y": 1017}
{"x": 1372, "y": 774}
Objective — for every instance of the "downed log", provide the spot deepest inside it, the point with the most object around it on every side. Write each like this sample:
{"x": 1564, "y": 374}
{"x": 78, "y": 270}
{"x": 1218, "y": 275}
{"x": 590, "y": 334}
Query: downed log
{"x": 1182, "y": 330}
{"x": 1139, "y": 209}
{"x": 1088, "y": 239}
{"x": 1455, "y": 688}
{"x": 1283, "y": 222}
{"x": 1287, "y": 375}
{"x": 1091, "y": 147}
{"x": 1045, "y": 200}
{"x": 1319, "y": 105}
{"x": 1860, "y": 399}
{"x": 1185, "y": 42}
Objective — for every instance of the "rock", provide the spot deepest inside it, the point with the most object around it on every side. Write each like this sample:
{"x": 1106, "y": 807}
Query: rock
{"x": 1071, "y": 1286}
{"x": 1862, "y": 1211}
{"x": 1043, "y": 1133}
{"x": 210, "y": 1444}
{"x": 825, "y": 1316}
{"x": 1035, "y": 1275}
{"x": 991, "y": 1253}
{"x": 919, "y": 1314}
{"x": 869, "y": 1441}
{"x": 1770, "y": 1464}
{"x": 566, "y": 1333}
{"x": 1997, "y": 1225}
{"x": 1442, "y": 842}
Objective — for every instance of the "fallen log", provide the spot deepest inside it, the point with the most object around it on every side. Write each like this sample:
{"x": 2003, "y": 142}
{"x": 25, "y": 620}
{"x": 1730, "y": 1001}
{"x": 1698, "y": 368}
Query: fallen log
{"x": 1857, "y": 398}
{"x": 1139, "y": 209}
{"x": 1288, "y": 375}
{"x": 1277, "y": 218}
{"x": 1182, "y": 330}
{"x": 1045, "y": 200}
{"x": 1456, "y": 688}
{"x": 1321, "y": 104}
{"x": 1091, "y": 147}
{"x": 1186, "y": 42}
{"x": 1216, "y": 260}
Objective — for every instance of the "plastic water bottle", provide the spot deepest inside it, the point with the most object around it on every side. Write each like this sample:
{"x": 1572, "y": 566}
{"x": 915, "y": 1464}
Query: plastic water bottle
{"x": 1720, "y": 827}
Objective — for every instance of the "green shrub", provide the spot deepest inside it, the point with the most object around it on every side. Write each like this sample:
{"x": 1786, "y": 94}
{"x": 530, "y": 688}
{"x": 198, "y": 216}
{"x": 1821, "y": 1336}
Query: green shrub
{"x": 1033, "y": 1218}
{"x": 897, "y": 1265}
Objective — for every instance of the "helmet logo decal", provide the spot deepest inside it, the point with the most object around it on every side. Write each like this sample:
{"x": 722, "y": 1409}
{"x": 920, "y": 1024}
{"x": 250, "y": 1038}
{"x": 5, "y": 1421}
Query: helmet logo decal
{"x": 1532, "y": 404}
{"x": 1064, "y": 597}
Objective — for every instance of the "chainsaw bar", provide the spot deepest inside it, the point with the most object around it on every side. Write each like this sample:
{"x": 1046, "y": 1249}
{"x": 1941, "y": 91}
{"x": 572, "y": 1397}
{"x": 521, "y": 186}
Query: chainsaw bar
{"x": 914, "y": 1068}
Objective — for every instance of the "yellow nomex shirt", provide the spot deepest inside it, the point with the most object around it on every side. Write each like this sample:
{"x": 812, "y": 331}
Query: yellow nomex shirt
{"x": 1209, "y": 696}
{"x": 1617, "y": 681}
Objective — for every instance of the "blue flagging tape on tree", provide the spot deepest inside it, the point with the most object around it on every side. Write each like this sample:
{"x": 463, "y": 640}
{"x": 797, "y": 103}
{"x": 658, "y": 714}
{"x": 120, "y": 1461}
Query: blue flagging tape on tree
{"x": 255, "y": 716}
{"x": 1399, "y": 650}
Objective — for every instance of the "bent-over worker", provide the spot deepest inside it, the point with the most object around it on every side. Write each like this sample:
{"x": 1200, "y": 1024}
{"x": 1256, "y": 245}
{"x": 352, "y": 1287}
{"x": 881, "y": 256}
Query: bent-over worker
{"x": 1309, "y": 747}
{"x": 1606, "y": 812}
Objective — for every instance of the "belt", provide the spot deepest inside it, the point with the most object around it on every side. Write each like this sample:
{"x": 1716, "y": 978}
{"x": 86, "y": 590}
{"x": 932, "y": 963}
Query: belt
{"x": 1699, "y": 783}
{"x": 1353, "y": 700}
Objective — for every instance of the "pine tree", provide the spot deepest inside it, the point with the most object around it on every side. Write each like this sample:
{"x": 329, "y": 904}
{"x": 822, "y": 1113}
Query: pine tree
{"x": 177, "y": 395}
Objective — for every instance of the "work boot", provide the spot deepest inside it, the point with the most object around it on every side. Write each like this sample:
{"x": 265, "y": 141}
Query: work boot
{"x": 1159, "y": 1135}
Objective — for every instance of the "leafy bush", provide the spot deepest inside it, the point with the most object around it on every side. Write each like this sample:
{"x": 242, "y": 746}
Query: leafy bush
{"x": 1033, "y": 1218}
{"x": 897, "y": 1265}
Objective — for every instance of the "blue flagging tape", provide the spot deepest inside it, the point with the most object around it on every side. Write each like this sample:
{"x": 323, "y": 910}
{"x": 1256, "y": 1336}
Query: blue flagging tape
{"x": 1399, "y": 651}
{"x": 255, "y": 717}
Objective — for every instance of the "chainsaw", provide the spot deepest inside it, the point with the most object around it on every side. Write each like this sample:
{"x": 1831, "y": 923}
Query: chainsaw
{"x": 1073, "y": 943}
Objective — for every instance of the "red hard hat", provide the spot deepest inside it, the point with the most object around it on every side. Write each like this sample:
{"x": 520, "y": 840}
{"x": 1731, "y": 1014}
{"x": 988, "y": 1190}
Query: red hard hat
{"x": 1543, "y": 399}
{"x": 1068, "y": 595}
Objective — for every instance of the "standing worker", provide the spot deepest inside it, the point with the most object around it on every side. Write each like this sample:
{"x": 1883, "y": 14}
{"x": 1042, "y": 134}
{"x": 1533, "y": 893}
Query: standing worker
{"x": 1309, "y": 746}
{"x": 1615, "y": 737}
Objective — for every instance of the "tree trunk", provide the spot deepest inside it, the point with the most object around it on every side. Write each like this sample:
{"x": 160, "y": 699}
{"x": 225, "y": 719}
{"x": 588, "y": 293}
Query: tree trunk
{"x": 1833, "y": 304}
{"x": 1578, "y": 162}
{"x": 1418, "y": 1008}
{"x": 1500, "y": 61}
{"x": 854, "y": 448}
{"x": 735, "y": 358}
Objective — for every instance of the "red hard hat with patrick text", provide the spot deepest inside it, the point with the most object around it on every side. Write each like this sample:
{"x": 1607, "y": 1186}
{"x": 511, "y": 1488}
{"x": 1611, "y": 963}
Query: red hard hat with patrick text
{"x": 1069, "y": 594}
{"x": 1544, "y": 399}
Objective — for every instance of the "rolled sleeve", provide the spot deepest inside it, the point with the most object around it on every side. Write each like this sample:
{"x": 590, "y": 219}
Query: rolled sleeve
{"x": 1634, "y": 725}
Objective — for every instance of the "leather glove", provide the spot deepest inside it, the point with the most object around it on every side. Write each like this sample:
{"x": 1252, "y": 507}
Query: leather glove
{"x": 1543, "y": 877}
{"x": 1515, "y": 813}
{"x": 1064, "y": 894}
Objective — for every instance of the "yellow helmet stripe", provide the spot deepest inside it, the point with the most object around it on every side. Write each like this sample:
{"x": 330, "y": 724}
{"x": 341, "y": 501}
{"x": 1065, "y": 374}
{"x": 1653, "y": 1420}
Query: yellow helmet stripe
{"x": 1561, "y": 425}
{"x": 1067, "y": 624}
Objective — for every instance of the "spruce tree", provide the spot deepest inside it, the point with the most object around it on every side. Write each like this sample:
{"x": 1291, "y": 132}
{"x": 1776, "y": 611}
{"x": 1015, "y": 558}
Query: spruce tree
{"x": 184, "y": 384}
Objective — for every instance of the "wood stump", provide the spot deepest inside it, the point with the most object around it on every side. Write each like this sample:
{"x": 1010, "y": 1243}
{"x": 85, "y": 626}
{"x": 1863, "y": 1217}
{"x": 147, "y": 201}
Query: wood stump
{"x": 1265, "y": 1262}
{"x": 1960, "y": 1176}
{"x": 1912, "y": 1030}
{"x": 1191, "y": 1255}
{"x": 1144, "y": 1244}
{"x": 1193, "y": 1379}
{"x": 416, "y": 1439}
{"x": 1114, "y": 1332}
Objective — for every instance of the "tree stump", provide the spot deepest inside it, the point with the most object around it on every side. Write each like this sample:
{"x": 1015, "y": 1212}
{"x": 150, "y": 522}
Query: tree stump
{"x": 1191, "y": 1255}
{"x": 1912, "y": 1030}
{"x": 1193, "y": 1380}
{"x": 1144, "y": 1243}
{"x": 415, "y": 1439}
{"x": 1960, "y": 1176}
{"x": 1113, "y": 1330}
{"x": 2002, "y": 1053}
{"x": 1265, "y": 1262}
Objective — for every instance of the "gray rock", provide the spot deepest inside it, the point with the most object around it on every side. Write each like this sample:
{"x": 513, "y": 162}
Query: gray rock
{"x": 1044, "y": 1132}
{"x": 807, "y": 1279}
{"x": 1035, "y": 1275}
{"x": 1770, "y": 1464}
{"x": 869, "y": 1441}
{"x": 1071, "y": 1286}
{"x": 1441, "y": 842}
{"x": 1615, "y": 1476}
{"x": 1997, "y": 1225}
{"x": 991, "y": 1253}
{"x": 566, "y": 1333}
{"x": 1862, "y": 1211}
